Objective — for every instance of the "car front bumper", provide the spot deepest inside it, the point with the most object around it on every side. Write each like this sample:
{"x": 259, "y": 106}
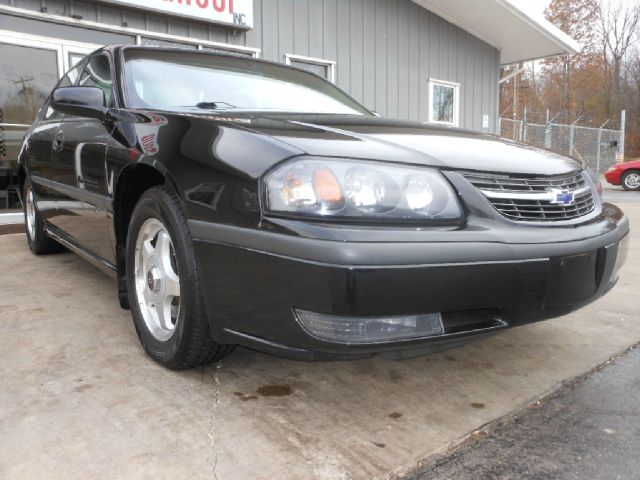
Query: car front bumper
{"x": 613, "y": 177}
{"x": 255, "y": 280}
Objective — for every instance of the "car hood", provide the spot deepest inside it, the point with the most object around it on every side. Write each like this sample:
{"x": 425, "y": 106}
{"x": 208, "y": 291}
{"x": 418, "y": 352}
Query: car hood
{"x": 407, "y": 142}
{"x": 629, "y": 164}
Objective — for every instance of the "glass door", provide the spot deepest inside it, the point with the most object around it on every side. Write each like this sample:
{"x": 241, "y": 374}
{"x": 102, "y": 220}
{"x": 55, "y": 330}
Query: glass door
{"x": 29, "y": 68}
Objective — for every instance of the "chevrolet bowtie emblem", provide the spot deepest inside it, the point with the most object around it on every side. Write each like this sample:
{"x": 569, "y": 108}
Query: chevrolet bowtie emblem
{"x": 562, "y": 197}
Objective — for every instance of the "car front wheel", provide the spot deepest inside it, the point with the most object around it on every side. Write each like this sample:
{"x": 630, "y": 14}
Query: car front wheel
{"x": 163, "y": 284}
{"x": 631, "y": 180}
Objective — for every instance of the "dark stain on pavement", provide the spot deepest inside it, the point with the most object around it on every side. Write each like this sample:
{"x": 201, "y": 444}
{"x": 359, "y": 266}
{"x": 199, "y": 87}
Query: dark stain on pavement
{"x": 83, "y": 387}
{"x": 478, "y": 405}
{"x": 379, "y": 445}
{"x": 244, "y": 397}
{"x": 395, "y": 415}
{"x": 275, "y": 390}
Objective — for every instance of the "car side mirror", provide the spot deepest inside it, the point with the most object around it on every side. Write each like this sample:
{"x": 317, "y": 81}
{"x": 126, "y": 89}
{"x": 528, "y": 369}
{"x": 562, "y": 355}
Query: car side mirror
{"x": 81, "y": 101}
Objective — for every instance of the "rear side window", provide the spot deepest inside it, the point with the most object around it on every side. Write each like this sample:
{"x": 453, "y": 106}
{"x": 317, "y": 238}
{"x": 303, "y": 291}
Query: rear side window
{"x": 97, "y": 73}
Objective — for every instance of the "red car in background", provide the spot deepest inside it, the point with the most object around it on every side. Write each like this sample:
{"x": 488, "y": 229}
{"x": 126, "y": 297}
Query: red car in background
{"x": 626, "y": 174}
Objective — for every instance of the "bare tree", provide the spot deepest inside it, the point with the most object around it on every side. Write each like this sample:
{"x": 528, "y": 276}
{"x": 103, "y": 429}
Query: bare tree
{"x": 578, "y": 19}
{"x": 631, "y": 95}
{"x": 619, "y": 22}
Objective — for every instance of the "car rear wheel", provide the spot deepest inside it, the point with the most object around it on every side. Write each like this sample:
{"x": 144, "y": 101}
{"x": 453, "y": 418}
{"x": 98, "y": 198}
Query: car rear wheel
{"x": 631, "y": 180}
{"x": 37, "y": 239}
{"x": 163, "y": 284}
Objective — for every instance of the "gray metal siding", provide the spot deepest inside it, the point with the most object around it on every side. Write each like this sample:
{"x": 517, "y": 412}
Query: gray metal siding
{"x": 54, "y": 30}
{"x": 385, "y": 50}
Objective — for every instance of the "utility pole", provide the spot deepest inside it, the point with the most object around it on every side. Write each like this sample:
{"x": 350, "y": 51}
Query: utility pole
{"x": 623, "y": 124}
{"x": 599, "y": 146}
{"x": 572, "y": 135}
{"x": 515, "y": 97}
{"x": 547, "y": 131}
{"x": 516, "y": 93}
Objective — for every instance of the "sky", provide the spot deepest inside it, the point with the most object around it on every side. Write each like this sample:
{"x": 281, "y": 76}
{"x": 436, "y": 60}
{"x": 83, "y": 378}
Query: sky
{"x": 538, "y": 6}
{"x": 534, "y": 6}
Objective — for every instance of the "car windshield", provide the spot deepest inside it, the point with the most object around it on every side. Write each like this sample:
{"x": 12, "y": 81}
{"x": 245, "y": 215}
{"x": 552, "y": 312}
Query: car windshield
{"x": 179, "y": 80}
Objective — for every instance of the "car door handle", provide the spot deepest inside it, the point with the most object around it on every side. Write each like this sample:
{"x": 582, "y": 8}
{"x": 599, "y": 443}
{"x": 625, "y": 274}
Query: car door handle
{"x": 58, "y": 142}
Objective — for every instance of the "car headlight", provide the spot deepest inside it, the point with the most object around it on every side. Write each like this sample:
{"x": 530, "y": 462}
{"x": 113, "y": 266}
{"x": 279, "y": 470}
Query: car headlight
{"x": 358, "y": 189}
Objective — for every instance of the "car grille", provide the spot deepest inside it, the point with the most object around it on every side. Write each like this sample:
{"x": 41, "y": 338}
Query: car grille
{"x": 553, "y": 198}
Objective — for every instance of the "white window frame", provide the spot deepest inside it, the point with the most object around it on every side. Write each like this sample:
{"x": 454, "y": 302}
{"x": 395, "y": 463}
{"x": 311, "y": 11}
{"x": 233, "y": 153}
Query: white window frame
{"x": 62, "y": 48}
{"x": 330, "y": 64}
{"x": 433, "y": 82}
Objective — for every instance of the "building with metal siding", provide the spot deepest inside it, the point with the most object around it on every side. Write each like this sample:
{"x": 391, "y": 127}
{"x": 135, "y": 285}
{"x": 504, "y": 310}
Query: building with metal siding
{"x": 424, "y": 60}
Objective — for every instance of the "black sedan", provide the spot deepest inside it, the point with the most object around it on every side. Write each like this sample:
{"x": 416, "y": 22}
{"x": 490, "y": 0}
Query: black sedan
{"x": 239, "y": 201}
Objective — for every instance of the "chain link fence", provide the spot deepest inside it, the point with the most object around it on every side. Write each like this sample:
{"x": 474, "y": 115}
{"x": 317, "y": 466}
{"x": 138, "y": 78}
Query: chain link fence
{"x": 597, "y": 148}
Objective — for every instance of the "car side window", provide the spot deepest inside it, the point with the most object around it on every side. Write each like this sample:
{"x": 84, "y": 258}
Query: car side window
{"x": 97, "y": 73}
{"x": 68, "y": 80}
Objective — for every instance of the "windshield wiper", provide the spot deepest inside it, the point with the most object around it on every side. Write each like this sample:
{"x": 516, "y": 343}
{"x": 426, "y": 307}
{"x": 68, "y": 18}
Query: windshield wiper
{"x": 213, "y": 105}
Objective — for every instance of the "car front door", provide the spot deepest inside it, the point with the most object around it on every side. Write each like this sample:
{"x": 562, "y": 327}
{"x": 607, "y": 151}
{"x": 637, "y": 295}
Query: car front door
{"x": 79, "y": 168}
{"x": 43, "y": 154}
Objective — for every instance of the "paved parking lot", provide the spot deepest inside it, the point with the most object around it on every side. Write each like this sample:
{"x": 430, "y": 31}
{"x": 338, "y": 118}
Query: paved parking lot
{"x": 80, "y": 399}
{"x": 586, "y": 430}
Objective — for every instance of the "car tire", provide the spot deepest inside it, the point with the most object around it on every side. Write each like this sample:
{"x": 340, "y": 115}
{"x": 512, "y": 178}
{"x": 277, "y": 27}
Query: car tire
{"x": 631, "y": 180}
{"x": 39, "y": 242}
{"x": 160, "y": 262}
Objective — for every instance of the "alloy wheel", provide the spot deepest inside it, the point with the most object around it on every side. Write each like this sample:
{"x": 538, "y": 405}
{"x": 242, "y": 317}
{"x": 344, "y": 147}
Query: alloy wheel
{"x": 30, "y": 213}
{"x": 632, "y": 180}
{"x": 156, "y": 279}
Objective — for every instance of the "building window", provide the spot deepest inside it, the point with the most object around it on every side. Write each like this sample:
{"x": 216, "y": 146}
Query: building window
{"x": 444, "y": 102}
{"x": 323, "y": 68}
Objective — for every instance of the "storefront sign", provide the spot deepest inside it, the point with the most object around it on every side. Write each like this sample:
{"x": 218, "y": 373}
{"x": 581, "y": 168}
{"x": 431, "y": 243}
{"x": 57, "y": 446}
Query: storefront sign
{"x": 238, "y": 13}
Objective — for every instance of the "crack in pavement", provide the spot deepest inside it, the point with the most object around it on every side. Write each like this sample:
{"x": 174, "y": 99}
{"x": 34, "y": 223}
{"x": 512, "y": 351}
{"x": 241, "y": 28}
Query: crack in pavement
{"x": 212, "y": 420}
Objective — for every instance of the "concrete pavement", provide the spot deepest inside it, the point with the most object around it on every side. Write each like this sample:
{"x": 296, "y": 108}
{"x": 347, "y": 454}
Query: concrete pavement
{"x": 618, "y": 195}
{"x": 80, "y": 399}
